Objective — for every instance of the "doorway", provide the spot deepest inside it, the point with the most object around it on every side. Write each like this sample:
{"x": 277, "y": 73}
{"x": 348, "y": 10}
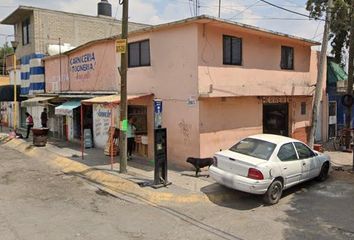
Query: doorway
{"x": 275, "y": 118}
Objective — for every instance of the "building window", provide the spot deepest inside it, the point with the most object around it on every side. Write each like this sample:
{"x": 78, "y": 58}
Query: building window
{"x": 287, "y": 58}
{"x": 232, "y": 50}
{"x": 332, "y": 108}
{"x": 25, "y": 31}
{"x": 303, "y": 108}
{"x": 139, "y": 53}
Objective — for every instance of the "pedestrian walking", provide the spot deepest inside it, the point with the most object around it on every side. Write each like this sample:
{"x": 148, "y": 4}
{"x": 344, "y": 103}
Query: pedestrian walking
{"x": 44, "y": 118}
{"x": 131, "y": 136}
{"x": 29, "y": 123}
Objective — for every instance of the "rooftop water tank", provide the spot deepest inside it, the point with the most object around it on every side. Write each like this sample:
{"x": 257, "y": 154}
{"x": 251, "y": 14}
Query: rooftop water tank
{"x": 104, "y": 8}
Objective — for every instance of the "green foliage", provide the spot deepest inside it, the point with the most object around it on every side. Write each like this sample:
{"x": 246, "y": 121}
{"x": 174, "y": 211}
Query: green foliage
{"x": 4, "y": 50}
{"x": 340, "y": 23}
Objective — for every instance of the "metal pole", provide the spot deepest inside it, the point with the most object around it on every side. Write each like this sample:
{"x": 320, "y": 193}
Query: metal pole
{"x": 112, "y": 137}
{"x": 82, "y": 131}
{"x": 4, "y": 60}
{"x": 123, "y": 93}
{"x": 350, "y": 73}
{"x": 15, "y": 94}
{"x": 219, "y": 8}
{"x": 59, "y": 65}
{"x": 319, "y": 82}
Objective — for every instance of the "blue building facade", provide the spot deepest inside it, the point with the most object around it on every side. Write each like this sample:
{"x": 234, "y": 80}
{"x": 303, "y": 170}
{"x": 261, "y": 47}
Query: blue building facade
{"x": 32, "y": 74}
{"x": 336, "y": 80}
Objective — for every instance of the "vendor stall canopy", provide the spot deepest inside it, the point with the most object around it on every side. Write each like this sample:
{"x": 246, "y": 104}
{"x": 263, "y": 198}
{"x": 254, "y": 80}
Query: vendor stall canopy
{"x": 36, "y": 101}
{"x": 67, "y": 108}
{"x": 112, "y": 99}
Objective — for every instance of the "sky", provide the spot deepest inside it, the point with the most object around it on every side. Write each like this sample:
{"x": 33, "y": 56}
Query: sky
{"x": 253, "y": 12}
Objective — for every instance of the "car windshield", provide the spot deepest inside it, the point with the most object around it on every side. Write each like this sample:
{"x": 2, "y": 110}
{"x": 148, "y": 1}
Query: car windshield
{"x": 254, "y": 148}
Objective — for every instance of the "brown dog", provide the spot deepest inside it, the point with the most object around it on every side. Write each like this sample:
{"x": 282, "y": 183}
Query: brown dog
{"x": 199, "y": 163}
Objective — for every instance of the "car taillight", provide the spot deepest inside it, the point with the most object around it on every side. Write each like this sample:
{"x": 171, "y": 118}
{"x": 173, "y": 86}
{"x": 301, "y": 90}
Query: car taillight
{"x": 255, "y": 174}
{"x": 215, "y": 163}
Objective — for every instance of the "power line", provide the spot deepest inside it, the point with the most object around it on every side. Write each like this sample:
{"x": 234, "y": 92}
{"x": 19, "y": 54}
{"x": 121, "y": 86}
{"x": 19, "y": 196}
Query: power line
{"x": 245, "y": 9}
{"x": 288, "y": 10}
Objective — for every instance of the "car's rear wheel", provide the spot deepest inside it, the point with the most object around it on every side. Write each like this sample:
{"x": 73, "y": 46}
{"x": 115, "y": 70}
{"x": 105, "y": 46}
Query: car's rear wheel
{"x": 274, "y": 192}
{"x": 324, "y": 172}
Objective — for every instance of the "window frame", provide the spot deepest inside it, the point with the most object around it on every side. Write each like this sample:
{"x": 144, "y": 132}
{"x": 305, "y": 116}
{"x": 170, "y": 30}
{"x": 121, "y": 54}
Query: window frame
{"x": 139, "y": 51}
{"x": 313, "y": 153}
{"x": 26, "y": 24}
{"x": 282, "y": 63}
{"x": 303, "y": 108}
{"x": 223, "y": 50}
{"x": 296, "y": 153}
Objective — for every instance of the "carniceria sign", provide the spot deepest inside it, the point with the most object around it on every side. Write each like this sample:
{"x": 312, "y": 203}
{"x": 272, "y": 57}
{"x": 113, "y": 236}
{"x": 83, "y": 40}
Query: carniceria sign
{"x": 83, "y": 63}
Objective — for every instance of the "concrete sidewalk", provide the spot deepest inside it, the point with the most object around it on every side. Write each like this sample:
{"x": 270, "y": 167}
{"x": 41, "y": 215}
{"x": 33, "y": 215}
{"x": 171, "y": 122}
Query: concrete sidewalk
{"x": 96, "y": 167}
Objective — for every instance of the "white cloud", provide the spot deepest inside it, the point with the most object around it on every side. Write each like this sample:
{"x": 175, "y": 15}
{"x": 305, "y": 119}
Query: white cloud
{"x": 159, "y": 11}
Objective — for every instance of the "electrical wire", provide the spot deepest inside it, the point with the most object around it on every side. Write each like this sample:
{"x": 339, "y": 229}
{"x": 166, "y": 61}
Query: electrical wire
{"x": 288, "y": 10}
{"x": 239, "y": 13}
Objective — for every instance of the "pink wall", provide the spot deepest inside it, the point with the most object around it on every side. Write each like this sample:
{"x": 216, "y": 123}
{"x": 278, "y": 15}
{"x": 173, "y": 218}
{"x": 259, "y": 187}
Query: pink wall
{"x": 92, "y": 68}
{"x": 172, "y": 77}
{"x": 226, "y": 120}
{"x": 223, "y": 121}
{"x": 53, "y": 84}
{"x": 260, "y": 73}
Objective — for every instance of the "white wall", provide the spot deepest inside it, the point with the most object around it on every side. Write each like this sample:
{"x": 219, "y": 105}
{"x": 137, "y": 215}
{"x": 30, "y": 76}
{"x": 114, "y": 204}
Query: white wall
{"x": 36, "y": 111}
{"x": 18, "y": 78}
{"x": 101, "y": 123}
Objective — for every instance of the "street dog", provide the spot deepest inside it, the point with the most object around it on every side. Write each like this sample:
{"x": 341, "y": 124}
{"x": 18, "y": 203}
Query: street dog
{"x": 199, "y": 163}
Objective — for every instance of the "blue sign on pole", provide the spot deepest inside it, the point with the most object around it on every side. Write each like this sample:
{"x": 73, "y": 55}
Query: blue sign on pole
{"x": 158, "y": 106}
{"x": 158, "y": 112}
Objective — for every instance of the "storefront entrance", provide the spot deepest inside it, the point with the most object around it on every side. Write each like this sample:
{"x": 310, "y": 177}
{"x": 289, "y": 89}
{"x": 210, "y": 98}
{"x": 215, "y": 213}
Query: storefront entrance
{"x": 276, "y": 118}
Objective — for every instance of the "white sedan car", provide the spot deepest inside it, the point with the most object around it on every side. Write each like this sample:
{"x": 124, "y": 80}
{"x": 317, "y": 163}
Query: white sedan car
{"x": 267, "y": 164}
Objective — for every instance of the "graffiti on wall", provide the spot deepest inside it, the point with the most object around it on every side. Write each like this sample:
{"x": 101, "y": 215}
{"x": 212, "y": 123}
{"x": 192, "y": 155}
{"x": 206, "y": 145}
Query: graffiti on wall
{"x": 185, "y": 129}
{"x": 102, "y": 117}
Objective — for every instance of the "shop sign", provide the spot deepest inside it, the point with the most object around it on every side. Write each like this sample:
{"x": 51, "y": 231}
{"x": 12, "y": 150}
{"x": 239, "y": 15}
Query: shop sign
{"x": 121, "y": 45}
{"x": 274, "y": 100}
{"x": 83, "y": 63}
{"x": 192, "y": 101}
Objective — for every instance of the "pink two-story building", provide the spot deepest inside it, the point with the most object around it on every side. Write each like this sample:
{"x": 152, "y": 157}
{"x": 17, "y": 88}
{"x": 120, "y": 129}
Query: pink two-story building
{"x": 219, "y": 81}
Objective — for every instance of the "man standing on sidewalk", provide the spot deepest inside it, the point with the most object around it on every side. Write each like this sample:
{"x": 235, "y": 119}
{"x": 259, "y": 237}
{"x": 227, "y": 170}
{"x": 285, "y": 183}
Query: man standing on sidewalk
{"x": 44, "y": 118}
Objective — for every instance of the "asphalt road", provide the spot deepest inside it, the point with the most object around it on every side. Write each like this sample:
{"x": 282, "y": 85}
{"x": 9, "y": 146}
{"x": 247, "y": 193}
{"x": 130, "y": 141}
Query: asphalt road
{"x": 38, "y": 202}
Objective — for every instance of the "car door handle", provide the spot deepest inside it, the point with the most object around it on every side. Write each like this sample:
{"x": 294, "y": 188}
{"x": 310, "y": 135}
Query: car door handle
{"x": 303, "y": 164}
{"x": 232, "y": 159}
{"x": 285, "y": 168}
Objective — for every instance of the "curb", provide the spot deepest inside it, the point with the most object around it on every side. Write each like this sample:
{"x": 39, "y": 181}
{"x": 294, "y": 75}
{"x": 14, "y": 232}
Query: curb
{"x": 110, "y": 181}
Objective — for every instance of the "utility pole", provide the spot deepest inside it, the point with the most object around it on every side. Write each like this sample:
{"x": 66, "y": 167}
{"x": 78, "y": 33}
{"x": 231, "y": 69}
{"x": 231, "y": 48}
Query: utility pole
{"x": 196, "y": 7}
{"x": 123, "y": 93}
{"x": 319, "y": 82}
{"x": 350, "y": 75}
{"x": 219, "y": 8}
{"x": 348, "y": 116}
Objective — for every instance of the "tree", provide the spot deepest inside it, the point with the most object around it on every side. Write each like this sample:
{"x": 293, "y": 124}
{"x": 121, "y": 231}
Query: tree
{"x": 4, "y": 51}
{"x": 340, "y": 24}
{"x": 341, "y": 38}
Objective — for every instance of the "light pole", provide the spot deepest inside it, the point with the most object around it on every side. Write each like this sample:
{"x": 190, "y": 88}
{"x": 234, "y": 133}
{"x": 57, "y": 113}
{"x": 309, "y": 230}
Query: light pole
{"x": 14, "y": 46}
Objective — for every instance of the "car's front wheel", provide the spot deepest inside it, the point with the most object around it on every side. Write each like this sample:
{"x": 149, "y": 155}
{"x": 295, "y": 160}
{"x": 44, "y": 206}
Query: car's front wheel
{"x": 274, "y": 192}
{"x": 324, "y": 172}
